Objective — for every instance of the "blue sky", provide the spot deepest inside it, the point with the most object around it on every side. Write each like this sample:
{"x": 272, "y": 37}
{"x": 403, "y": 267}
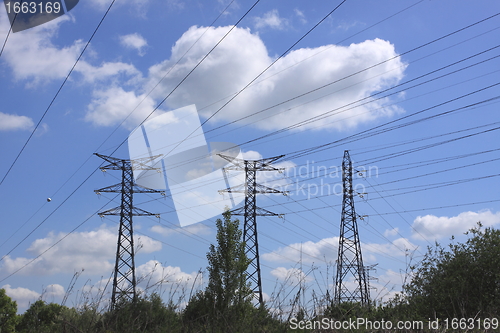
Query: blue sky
{"x": 434, "y": 176}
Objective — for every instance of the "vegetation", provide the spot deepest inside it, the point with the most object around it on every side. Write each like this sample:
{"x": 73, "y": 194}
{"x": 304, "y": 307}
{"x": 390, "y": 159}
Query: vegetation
{"x": 460, "y": 281}
{"x": 8, "y": 309}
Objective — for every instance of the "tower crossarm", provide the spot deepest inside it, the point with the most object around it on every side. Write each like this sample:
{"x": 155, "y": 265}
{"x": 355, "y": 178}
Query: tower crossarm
{"x": 120, "y": 164}
{"x": 259, "y": 189}
{"x": 118, "y": 210}
{"x": 135, "y": 188}
{"x": 258, "y": 165}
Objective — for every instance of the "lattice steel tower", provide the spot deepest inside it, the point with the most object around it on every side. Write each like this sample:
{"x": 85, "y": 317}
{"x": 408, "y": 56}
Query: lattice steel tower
{"x": 350, "y": 260}
{"x": 250, "y": 211}
{"x": 124, "y": 281}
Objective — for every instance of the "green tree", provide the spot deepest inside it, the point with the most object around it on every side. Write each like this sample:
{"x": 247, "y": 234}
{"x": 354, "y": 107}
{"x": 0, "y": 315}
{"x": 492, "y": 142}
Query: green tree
{"x": 41, "y": 317}
{"x": 226, "y": 300}
{"x": 8, "y": 309}
{"x": 228, "y": 262}
{"x": 459, "y": 282}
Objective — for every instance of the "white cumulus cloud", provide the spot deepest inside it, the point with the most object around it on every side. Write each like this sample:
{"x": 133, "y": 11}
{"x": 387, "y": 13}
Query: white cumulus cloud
{"x": 22, "y": 296}
{"x": 195, "y": 229}
{"x": 113, "y": 105}
{"x": 324, "y": 250}
{"x": 10, "y": 122}
{"x": 33, "y": 56}
{"x": 92, "y": 251}
{"x": 398, "y": 247}
{"x": 292, "y": 276}
{"x": 435, "y": 227}
{"x": 272, "y": 20}
{"x": 243, "y": 55}
{"x": 153, "y": 273}
{"x": 134, "y": 41}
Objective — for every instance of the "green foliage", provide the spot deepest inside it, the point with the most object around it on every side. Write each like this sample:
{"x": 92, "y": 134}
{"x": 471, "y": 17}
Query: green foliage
{"x": 42, "y": 317}
{"x": 145, "y": 314}
{"x": 8, "y": 309}
{"x": 461, "y": 282}
{"x": 346, "y": 310}
{"x": 228, "y": 262}
{"x": 227, "y": 299}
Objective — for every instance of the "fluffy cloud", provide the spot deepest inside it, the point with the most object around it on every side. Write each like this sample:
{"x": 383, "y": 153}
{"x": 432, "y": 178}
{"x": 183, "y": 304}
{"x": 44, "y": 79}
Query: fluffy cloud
{"x": 243, "y": 55}
{"x": 53, "y": 291}
{"x": 139, "y": 5}
{"x": 93, "y": 251}
{"x": 325, "y": 250}
{"x": 391, "y": 232}
{"x": 195, "y": 229}
{"x": 14, "y": 122}
{"x": 33, "y": 56}
{"x": 271, "y": 20}
{"x": 434, "y": 227}
{"x": 300, "y": 15}
{"x": 22, "y": 296}
{"x": 153, "y": 273}
{"x": 238, "y": 60}
{"x": 292, "y": 276}
{"x": 134, "y": 41}
{"x": 113, "y": 105}
{"x": 398, "y": 247}
{"x": 387, "y": 285}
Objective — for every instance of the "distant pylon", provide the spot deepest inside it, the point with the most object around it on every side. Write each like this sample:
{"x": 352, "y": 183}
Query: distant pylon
{"x": 124, "y": 282}
{"x": 350, "y": 260}
{"x": 250, "y": 211}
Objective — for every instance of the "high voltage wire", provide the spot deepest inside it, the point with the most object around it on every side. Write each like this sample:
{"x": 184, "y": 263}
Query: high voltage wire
{"x": 404, "y": 152}
{"x": 427, "y": 174}
{"x": 437, "y": 207}
{"x": 362, "y": 162}
{"x": 425, "y": 188}
{"x": 368, "y": 132}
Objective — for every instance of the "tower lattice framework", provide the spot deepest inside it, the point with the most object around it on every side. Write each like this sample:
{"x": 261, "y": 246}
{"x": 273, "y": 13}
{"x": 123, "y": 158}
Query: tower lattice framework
{"x": 250, "y": 211}
{"x": 350, "y": 260}
{"x": 124, "y": 281}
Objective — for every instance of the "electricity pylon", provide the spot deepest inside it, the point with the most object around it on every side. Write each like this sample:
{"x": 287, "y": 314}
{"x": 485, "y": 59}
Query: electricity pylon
{"x": 350, "y": 260}
{"x": 124, "y": 281}
{"x": 250, "y": 211}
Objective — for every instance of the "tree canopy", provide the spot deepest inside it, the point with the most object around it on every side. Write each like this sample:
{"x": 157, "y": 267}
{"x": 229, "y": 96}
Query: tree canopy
{"x": 462, "y": 281}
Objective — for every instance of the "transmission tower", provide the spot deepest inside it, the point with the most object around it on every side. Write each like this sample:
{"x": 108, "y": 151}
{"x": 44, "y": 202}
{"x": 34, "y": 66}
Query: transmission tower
{"x": 124, "y": 281}
{"x": 349, "y": 261}
{"x": 250, "y": 211}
